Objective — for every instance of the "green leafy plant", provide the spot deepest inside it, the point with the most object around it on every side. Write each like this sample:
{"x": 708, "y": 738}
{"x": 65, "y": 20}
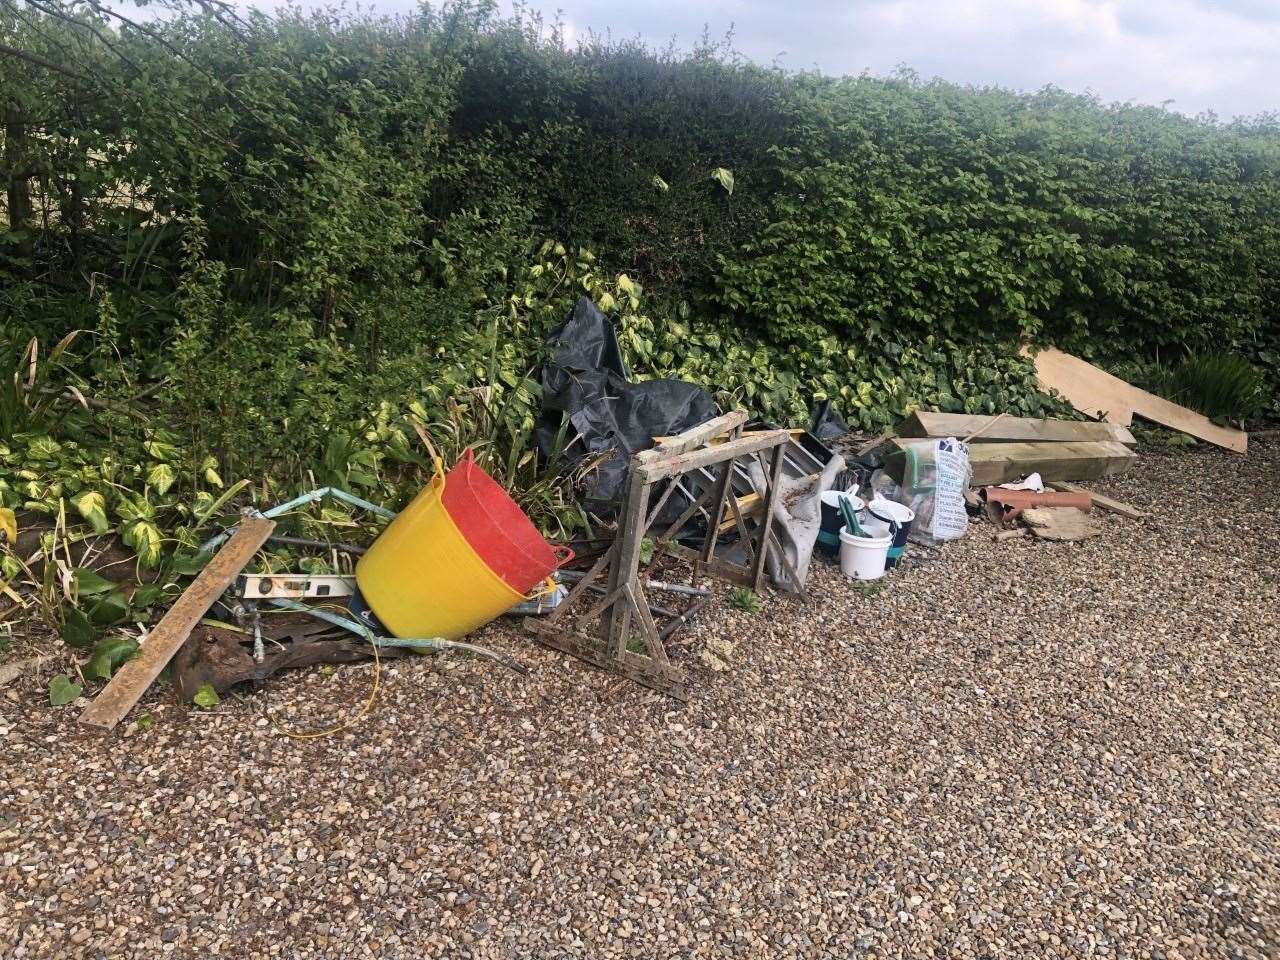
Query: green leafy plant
{"x": 741, "y": 598}
{"x": 27, "y": 392}
{"x": 62, "y": 691}
{"x": 109, "y": 654}
{"x": 206, "y": 698}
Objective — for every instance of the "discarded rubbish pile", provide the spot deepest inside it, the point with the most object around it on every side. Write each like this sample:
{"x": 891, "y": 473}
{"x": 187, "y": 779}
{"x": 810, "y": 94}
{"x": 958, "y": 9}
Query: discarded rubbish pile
{"x": 585, "y": 381}
{"x": 443, "y": 567}
{"x": 677, "y": 486}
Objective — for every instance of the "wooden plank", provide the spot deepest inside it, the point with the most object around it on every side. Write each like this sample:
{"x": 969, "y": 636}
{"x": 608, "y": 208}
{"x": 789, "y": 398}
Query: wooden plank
{"x": 720, "y": 492}
{"x": 582, "y": 585}
{"x": 1100, "y": 501}
{"x": 1011, "y": 429}
{"x": 694, "y": 437}
{"x": 670, "y": 466}
{"x": 994, "y": 463}
{"x": 795, "y": 433}
{"x": 720, "y": 568}
{"x": 653, "y": 642}
{"x": 766, "y": 524}
{"x": 1099, "y": 394}
{"x": 131, "y": 681}
{"x": 617, "y": 621}
{"x": 751, "y": 505}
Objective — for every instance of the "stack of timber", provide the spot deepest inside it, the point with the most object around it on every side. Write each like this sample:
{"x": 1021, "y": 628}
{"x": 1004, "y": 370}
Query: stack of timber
{"x": 1007, "y": 448}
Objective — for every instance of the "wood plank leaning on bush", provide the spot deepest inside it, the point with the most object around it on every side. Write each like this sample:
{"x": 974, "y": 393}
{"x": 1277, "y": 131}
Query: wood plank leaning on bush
{"x": 1099, "y": 394}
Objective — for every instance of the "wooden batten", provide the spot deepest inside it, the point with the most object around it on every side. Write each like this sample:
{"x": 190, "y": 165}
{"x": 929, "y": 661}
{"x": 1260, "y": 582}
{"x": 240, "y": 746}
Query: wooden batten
{"x": 922, "y": 424}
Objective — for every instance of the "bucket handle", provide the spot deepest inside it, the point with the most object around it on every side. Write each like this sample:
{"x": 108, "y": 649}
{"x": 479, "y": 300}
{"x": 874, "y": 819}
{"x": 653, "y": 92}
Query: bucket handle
{"x": 557, "y": 549}
{"x": 544, "y": 589}
{"x": 437, "y": 462}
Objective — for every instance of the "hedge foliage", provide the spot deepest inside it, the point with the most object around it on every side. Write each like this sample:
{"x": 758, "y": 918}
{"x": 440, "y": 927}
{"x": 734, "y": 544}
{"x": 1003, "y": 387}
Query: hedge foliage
{"x": 294, "y": 221}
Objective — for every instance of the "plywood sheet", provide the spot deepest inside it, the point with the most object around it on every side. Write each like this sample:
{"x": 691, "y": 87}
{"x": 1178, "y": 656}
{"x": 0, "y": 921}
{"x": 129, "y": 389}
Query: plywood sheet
{"x": 1099, "y": 394}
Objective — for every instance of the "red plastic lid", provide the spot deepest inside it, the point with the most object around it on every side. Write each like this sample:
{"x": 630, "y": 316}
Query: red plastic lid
{"x": 501, "y": 534}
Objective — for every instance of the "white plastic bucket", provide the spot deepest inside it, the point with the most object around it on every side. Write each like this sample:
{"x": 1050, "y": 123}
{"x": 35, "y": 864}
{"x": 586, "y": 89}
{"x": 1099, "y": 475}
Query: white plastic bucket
{"x": 863, "y": 558}
{"x": 883, "y": 511}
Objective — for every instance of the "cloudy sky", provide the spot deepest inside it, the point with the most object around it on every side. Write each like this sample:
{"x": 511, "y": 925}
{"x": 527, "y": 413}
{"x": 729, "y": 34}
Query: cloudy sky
{"x": 1194, "y": 55}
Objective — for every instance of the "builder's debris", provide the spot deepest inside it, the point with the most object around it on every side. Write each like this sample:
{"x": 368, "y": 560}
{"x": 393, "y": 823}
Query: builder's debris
{"x": 1008, "y": 465}
{"x": 338, "y": 628}
{"x": 1011, "y": 534}
{"x": 731, "y": 500}
{"x": 1060, "y": 523}
{"x": 217, "y": 655}
{"x": 131, "y": 680}
{"x": 797, "y": 518}
{"x": 1097, "y": 393}
{"x": 1005, "y": 505}
{"x": 931, "y": 478}
{"x": 1102, "y": 502}
{"x": 608, "y": 619}
{"x": 717, "y": 654}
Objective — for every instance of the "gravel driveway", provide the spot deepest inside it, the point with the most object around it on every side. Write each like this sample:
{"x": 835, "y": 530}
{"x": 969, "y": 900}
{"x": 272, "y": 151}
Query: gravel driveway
{"x": 1014, "y": 749}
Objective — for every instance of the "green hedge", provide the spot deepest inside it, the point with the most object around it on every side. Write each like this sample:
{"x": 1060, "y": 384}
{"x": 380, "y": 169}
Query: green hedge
{"x": 295, "y": 219}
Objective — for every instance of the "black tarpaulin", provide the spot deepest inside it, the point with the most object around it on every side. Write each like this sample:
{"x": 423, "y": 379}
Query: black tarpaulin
{"x": 585, "y": 379}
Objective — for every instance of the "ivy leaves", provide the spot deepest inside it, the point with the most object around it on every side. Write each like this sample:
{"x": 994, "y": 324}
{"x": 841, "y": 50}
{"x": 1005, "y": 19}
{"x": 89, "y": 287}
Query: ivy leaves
{"x": 92, "y": 506}
{"x": 109, "y": 655}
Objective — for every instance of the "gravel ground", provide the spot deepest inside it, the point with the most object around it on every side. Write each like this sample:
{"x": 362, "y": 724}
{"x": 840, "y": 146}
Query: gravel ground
{"x": 1012, "y": 749}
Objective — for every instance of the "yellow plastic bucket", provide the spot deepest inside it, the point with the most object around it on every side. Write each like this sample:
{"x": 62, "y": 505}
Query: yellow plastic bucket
{"x": 421, "y": 577}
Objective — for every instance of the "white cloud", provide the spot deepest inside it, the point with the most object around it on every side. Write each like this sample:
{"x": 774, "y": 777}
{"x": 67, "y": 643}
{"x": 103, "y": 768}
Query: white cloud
{"x": 1199, "y": 54}
{"x": 1220, "y": 55}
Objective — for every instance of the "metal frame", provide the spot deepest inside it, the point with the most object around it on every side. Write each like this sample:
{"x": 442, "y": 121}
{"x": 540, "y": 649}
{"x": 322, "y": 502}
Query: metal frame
{"x": 625, "y": 616}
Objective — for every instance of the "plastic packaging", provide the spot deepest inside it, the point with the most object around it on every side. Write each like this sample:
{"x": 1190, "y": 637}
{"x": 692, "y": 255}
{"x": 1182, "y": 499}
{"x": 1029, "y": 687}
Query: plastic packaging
{"x": 935, "y": 476}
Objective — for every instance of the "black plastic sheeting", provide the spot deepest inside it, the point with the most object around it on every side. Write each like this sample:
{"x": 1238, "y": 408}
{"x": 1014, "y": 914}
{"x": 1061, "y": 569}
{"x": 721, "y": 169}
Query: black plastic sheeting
{"x": 826, "y": 422}
{"x": 585, "y": 379}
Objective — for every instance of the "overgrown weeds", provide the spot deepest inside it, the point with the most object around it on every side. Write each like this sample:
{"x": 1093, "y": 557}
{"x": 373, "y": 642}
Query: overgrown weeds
{"x": 1220, "y": 385}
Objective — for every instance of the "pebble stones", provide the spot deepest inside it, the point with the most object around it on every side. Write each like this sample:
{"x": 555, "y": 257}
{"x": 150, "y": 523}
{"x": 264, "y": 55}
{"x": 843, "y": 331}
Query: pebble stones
{"x": 1021, "y": 749}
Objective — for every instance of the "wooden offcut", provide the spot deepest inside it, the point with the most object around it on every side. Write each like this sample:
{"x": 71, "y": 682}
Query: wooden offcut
{"x": 922, "y": 424}
{"x": 1063, "y": 524}
{"x": 664, "y": 466}
{"x": 1099, "y": 394}
{"x": 131, "y": 680}
{"x": 710, "y": 432}
{"x": 994, "y": 463}
{"x": 1102, "y": 502}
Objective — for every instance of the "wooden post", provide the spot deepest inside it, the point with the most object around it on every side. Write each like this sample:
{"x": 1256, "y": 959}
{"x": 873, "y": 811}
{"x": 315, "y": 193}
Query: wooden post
{"x": 626, "y": 563}
{"x": 766, "y": 523}
{"x": 623, "y": 605}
